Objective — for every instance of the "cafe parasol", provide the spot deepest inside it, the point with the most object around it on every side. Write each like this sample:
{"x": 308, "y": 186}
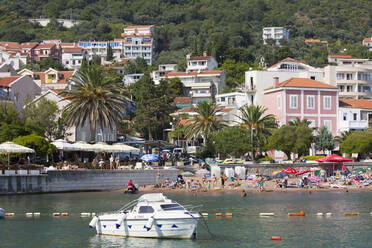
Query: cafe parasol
{"x": 334, "y": 158}
{"x": 10, "y": 147}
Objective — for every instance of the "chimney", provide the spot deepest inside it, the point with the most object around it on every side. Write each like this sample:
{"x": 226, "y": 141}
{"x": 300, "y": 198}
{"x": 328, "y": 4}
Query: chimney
{"x": 205, "y": 53}
{"x": 276, "y": 82}
{"x": 188, "y": 56}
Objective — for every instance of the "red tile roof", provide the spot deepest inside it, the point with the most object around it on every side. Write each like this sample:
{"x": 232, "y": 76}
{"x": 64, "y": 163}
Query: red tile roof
{"x": 6, "y": 81}
{"x": 200, "y": 58}
{"x": 225, "y": 110}
{"x": 184, "y": 123}
{"x": 185, "y": 110}
{"x": 367, "y": 39}
{"x": 340, "y": 56}
{"x": 10, "y": 45}
{"x": 304, "y": 83}
{"x": 45, "y": 46}
{"x": 355, "y": 103}
{"x": 182, "y": 100}
{"x": 73, "y": 50}
{"x": 29, "y": 45}
{"x": 71, "y": 45}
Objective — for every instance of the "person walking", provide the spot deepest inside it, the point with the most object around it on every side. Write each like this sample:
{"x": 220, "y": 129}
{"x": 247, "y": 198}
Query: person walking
{"x": 222, "y": 181}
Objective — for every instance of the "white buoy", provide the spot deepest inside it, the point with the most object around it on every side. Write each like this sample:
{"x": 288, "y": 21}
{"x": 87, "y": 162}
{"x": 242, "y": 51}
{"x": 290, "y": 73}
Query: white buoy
{"x": 205, "y": 214}
{"x": 328, "y": 214}
{"x": 85, "y": 214}
{"x": 37, "y": 214}
{"x": 29, "y": 214}
{"x": 149, "y": 223}
{"x": 93, "y": 214}
{"x": 319, "y": 214}
{"x": 267, "y": 214}
{"x": 93, "y": 222}
{"x": 120, "y": 219}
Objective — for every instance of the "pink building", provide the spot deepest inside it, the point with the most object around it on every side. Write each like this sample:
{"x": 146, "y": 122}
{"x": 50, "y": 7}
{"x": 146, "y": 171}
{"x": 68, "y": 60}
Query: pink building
{"x": 303, "y": 98}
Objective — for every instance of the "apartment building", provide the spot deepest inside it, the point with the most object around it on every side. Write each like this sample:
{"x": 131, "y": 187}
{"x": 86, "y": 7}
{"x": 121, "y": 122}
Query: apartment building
{"x": 200, "y": 63}
{"x": 354, "y": 114}
{"x": 47, "y": 50}
{"x": 200, "y": 86}
{"x": 275, "y": 33}
{"x": 129, "y": 79}
{"x": 257, "y": 81}
{"x": 303, "y": 98}
{"x": 73, "y": 57}
{"x": 347, "y": 60}
{"x": 139, "y": 42}
{"x": 162, "y": 70}
{"x": 352, "y": 76}
{"x": 368, "y": 43}
{"x": 99, "y": 48}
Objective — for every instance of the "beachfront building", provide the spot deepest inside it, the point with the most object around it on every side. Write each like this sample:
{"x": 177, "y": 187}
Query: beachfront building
{"x": 162, "y": 70}
{"x": 17, "y": 89}
{"x": 200, "y": 63}
{"x": 347, "y": 60}
{"x": 77, "y": 133}
{"x": 257, "y": 81}
{"x": 129, "y": 79}
{"x": 99, "y": 48}
{"x": 73, "y": 57}
{"x": 275, "y": 33}
{"x": 139, "y": 42}
{"x": 352, "y": 76}
{"x": 47, "y": 50}
{"x": 368, "y": 43}
{"x": 354, "y": 114}
{"x": 200, "y": 86}
{"x": 50, "y": 79}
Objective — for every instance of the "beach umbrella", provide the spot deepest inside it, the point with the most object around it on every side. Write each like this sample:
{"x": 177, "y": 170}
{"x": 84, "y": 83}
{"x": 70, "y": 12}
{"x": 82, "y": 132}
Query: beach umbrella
{"x": 290, "y": 171}
{"x": 120, "y": 147}
{"x": 302, "y": 172}
{"x": 149, "y": 157}
{"x": 334, "y": 158}
{"x": 280, "y": 175}
{"x": 187, "y": 174}
{"x": 10, "y": 147}
{"x": 64, "y": 145}
{"x": 84, "y": 146}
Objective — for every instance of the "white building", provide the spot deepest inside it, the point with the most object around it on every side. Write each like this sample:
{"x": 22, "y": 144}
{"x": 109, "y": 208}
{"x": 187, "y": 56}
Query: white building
{"x": 354, "y": 114}
{"x": 200, "y": 86}
{"x": 162, "y": 70}
{"x": 368, "y": 43}
{"x": 78, "y": 133}
{"x": 257, "y": 81}
{"x": 347, "y": 60}
{"x": 129, "y": 79}
{"x": 275, "y": 33}
{"x": 353, "y": 80}
{"x": 73, "y": 57}
{"x": 139, "y": 42}
{"x": 200, "y": 63}
{"x": 99, "y": 48}
{"x": 232, "y": 102}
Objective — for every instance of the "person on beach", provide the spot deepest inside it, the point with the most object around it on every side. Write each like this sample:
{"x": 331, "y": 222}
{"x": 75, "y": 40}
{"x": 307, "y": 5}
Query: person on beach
{"x": 111, "y": 162}
{"x": 222, "y": 181}
{"x": 213, "y": 181}
{"x": 260, "y": 182}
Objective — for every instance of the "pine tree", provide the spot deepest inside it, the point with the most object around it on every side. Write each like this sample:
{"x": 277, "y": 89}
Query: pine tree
{"x": 110, "y": 55}
{"x": 84, "y": 64}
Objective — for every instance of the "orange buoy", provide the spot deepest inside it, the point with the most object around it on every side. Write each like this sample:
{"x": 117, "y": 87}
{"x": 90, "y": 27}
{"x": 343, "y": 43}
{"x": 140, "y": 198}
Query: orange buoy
{"x": 56, "y": 214}
{"x": 275, "y": 238}
{"x": 347, "y": 213}
{"x": 301, "y": 213}
{"x": 228, "y": 214}
{"x": 64, "y": 214}
{"x": 9, "y": 214}
{"x": 218, "y": 214}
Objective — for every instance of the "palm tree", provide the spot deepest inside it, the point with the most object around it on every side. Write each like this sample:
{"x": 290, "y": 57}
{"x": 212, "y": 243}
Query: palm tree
{"x": 343, "y": 136}
{"x": 298, "y": 122}
{"x": 258, "y": 124}
{"x": 95, "y": 99}
{"x": 205, "y": 122}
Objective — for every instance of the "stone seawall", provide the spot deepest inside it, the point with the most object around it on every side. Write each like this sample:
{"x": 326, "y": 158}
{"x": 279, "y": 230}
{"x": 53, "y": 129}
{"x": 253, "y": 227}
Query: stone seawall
{"x": 89, "y": 180}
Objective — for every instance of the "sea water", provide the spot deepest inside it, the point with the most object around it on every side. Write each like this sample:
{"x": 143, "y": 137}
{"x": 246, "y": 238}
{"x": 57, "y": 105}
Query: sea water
{"x": 244, "y": 229}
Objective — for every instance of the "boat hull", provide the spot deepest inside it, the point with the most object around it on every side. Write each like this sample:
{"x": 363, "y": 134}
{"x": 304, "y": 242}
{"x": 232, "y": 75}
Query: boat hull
{"x": 180, "y": 228}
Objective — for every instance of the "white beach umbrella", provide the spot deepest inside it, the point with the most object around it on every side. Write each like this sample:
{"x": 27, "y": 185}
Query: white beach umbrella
{"x": 84, "y": 146}
{"x": 64, "y": 145}
{"x": 125, "y": 148}
{"x": 103, "y": 147}
{"x": 10, "y": 147}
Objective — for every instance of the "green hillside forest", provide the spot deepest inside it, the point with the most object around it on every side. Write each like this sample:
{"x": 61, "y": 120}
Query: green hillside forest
{"x": 227, "y": 29}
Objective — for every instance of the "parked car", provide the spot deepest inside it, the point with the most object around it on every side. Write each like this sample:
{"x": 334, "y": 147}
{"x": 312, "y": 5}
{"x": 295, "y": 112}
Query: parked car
{"x": 233, "y": 161}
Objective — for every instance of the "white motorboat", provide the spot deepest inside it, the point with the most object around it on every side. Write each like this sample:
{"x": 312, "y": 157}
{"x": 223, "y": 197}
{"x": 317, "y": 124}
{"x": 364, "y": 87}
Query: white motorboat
{"x": 2, "y": 213}
{"x": 150, "y": 216}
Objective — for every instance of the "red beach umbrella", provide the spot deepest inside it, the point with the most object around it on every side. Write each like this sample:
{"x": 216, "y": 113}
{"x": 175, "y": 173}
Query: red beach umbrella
{"x": 334, "y": 158}
{"x": 290, "y": 171}
{"x": 302, "y": 172}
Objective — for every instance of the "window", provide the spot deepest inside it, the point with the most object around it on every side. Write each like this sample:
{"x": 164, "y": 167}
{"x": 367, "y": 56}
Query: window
{"x": 312, "y": 77}
{"x": 293, "y": 101}
{"x": 340, "y": 76}
{"x": 344, "y": 116}
{"x": 222, "y": 99}
{"x": 168, "y": 207}
{"x": 349, "y": 76}
{"x": 328, "y": 124}
{"x": 355, "y": 116}
{"x": 310, "y": 102}
{"x": 349, "y": 88}
{"x": 279, "y": 102}
{"x": 145, "y": 210}
{"x": 341, "y": 87}
{"x": 327, "y": 102}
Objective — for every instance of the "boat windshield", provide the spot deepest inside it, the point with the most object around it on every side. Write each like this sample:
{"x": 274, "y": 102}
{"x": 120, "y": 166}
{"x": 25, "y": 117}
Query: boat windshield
{"x": 168, "y": 207}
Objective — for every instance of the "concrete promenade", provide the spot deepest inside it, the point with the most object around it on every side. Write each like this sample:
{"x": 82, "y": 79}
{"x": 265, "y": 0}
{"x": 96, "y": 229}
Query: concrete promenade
{"x": 80, "y": 180}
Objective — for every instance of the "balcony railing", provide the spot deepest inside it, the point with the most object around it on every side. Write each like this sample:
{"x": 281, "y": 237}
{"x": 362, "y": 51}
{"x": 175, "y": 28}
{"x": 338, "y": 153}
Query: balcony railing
{"x": 361, "y": 124}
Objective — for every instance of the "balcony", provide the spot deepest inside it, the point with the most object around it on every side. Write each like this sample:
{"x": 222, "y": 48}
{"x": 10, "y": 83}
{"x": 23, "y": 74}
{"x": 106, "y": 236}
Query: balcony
{"x": 347, "y": 125}
{"x": 354, "y": 94}
{"x": 361, "y": 82}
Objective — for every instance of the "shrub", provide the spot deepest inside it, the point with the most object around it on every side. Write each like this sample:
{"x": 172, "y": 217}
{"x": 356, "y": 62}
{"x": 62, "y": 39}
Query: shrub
{"x": 312, "y": 158}
{"x": 266, "y": 158}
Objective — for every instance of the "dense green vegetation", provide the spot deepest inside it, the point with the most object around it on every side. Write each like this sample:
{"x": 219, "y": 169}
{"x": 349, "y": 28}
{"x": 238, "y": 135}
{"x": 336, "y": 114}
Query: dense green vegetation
{"x": 226, "y": 29}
